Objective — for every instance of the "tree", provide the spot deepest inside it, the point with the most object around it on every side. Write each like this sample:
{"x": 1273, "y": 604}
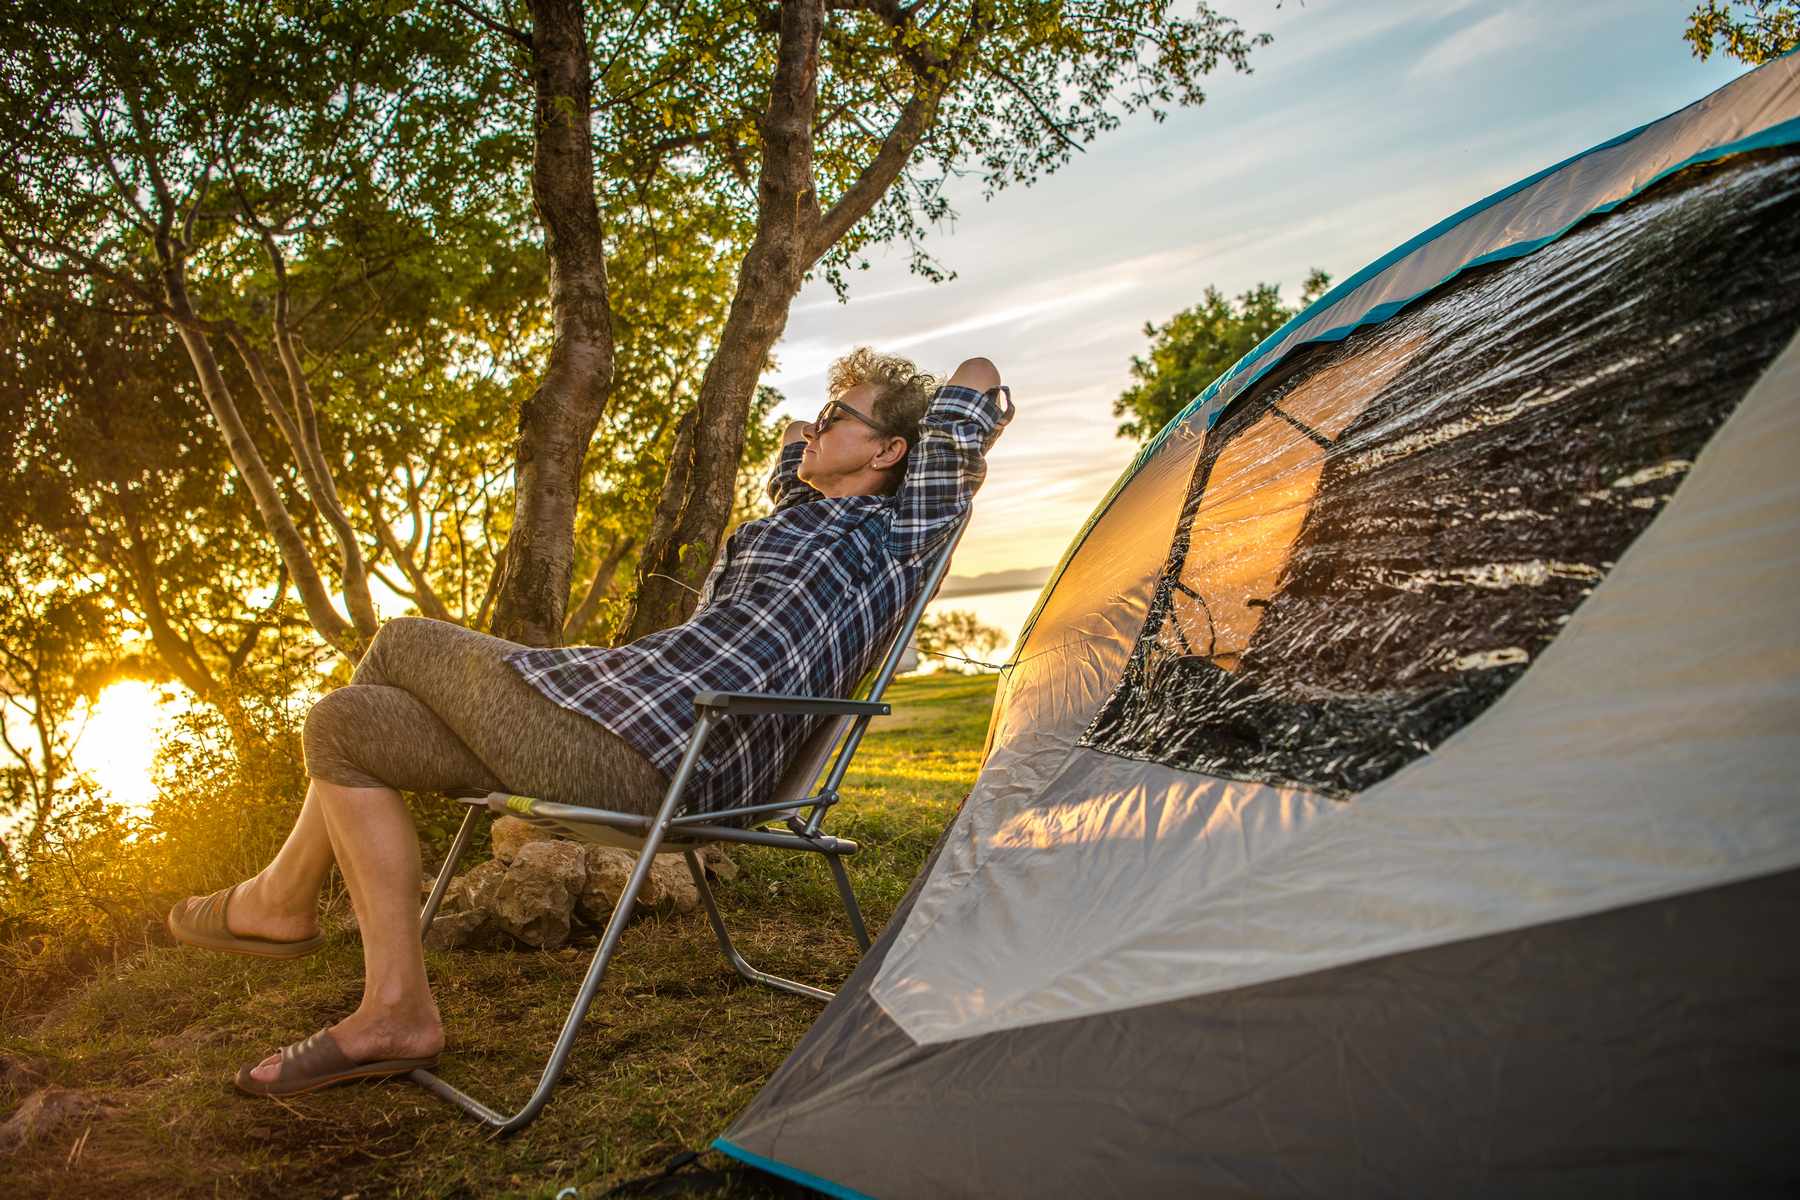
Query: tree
{"x": 267, "y": 181}
{"x": 114, "y": 465}
{"x": 328, "y": 211}
{"x": 1196, "y": 346}
{"x": 1751, "y": 31}
{"x": 335, "y": 210}
{"x": 957, "y": 636}
{"x": 829, "y": 127}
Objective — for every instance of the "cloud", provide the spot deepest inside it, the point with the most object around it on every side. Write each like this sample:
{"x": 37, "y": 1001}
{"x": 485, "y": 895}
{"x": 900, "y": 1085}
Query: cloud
{"x": 1049, "y": 308}
{"x": 832, "y": 302}
{"x": 1335, "y": 29}
{"x": 1488, "y": 36}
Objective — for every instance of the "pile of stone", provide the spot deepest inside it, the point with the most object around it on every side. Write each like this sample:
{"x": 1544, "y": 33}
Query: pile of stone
{"x": 537, "y": 887}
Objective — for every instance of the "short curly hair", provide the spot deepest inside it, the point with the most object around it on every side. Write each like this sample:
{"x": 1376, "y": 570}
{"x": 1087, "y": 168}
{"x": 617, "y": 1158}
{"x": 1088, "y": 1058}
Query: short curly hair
{"x": 902, "y": 391}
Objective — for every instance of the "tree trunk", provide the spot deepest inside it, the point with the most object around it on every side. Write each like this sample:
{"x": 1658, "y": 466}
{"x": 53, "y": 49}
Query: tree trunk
{"x": 558, "y": 421}
{"x": 673, "y": 565}
{"x": 792, "y": 234}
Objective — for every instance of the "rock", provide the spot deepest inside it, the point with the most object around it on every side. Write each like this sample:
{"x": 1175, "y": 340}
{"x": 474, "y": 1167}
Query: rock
{"x": 519, "y": 888}
{"x": 608, "y": 870}
{"x": 461, "y": 930}
{"x": 47, "y": 1108}
{"x": 669, "y": 887}
{"x": 473, "y": 890}
{"x": 717, "y": 864}
{"x": 509, "y": 834}
{"x": 562, "y": 860}
{"x": 674, "y": 885}
{"x": 534, "y": 906}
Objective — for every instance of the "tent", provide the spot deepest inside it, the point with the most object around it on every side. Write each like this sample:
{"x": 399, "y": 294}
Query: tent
{"x": 1395, "y": 788}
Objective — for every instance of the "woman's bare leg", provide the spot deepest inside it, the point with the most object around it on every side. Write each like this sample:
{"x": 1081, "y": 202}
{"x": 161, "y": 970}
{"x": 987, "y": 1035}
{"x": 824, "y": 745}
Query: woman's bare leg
{"x": 281, "y": 902}
{"x": 378, "y": 852}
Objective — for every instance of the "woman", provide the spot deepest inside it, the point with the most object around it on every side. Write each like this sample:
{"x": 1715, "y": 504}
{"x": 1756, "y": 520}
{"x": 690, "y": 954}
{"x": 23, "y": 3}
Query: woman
{"x": 800, "y": 601}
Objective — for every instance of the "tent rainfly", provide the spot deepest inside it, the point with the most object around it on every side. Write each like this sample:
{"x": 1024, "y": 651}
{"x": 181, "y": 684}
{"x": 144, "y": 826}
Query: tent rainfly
{"x": 1395, "y": 789}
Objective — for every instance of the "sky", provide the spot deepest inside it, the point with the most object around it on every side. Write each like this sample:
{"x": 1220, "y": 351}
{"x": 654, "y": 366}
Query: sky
{"x": 1365, "y": 122}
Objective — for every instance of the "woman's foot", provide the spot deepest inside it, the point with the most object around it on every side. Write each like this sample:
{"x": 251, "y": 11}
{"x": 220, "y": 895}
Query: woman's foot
{"x": 220, "y": 922}
{"x": 258, "y": 911}
{"x": 365, "y": 1038}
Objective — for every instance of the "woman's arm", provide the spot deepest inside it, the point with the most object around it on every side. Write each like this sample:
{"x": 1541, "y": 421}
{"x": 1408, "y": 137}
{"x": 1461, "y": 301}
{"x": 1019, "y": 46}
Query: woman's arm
{"x": 949, "y": 463}
{"x": 785, "y": 487}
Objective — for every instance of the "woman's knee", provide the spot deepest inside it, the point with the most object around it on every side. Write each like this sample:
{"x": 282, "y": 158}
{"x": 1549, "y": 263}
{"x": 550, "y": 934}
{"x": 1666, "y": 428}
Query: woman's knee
{"x": 329, "y": 735}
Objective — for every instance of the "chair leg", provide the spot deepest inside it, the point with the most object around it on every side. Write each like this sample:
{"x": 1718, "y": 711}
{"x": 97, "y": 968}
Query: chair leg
{"x": 457, "y": 846}
{"x": 502, "y": 1125}
{"x": 731, "y": 955}
{"x": 842, "y": 877}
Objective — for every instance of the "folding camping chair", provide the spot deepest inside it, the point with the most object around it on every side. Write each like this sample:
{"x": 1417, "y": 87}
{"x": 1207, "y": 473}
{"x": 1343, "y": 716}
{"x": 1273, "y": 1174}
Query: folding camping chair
{"x": 800, "y": 811}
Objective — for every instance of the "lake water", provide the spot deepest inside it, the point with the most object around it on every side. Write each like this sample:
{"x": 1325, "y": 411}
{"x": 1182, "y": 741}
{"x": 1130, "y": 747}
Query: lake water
{"x": 1005, "y": 611}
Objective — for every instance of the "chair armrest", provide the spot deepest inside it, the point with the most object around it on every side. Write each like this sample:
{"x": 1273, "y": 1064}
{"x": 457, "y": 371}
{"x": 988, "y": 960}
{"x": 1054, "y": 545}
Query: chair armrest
{"x": 739, "y": 703}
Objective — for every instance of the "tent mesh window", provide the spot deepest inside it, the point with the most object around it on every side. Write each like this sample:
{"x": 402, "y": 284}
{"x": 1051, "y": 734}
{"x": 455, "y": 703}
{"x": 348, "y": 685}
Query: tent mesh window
{"x": 1381, "y": 536}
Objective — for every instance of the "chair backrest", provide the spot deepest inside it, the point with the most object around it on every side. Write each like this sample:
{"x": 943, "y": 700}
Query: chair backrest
{"x": 802, "y": 776}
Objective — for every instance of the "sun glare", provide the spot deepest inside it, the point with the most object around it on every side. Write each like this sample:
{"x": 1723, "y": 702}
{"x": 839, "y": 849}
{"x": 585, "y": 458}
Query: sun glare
{"x": 119, "y": 743}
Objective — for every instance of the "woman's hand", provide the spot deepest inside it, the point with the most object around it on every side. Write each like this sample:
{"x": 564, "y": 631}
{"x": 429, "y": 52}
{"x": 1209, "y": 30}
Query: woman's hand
{"x": 978, "y": 373}
{"x": 795, "y": 432}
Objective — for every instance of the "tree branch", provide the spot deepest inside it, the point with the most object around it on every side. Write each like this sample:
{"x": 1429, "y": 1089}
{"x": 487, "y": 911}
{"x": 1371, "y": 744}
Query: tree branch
{"x": 517, "y": 36}
{"x": 301, "y": 428}
{"x": 915, "y": 120}
{"x": 237, "y": 658}
{"x": 422, "y": 594}
{"x": 1049, "y": 122}
{"x": 601, "y": 585}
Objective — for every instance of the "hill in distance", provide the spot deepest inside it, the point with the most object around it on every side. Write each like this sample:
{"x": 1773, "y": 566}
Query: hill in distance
{"x": 994, "y": 581}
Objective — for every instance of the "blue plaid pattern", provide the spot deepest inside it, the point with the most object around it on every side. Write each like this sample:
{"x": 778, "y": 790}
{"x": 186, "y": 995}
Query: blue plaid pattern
{"x": 802, "y": 602}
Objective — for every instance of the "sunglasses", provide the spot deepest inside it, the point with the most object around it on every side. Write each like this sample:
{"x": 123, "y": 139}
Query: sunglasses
{"x": 834, "y": 409}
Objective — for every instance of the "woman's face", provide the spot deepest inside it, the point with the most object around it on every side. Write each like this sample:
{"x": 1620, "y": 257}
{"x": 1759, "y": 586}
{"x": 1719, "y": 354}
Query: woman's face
{"x": 841, "y": 454}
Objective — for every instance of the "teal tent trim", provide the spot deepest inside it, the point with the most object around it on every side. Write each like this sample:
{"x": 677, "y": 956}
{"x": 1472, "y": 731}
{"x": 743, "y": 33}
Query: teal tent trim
{"x": 1785, "y": 133}
{"x": 805, "y": 1178}
{"x": 1781, "y": 134}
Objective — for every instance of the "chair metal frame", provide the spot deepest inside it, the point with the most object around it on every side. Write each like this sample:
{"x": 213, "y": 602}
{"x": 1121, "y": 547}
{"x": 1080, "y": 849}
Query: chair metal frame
{"x": 672, "y": 830}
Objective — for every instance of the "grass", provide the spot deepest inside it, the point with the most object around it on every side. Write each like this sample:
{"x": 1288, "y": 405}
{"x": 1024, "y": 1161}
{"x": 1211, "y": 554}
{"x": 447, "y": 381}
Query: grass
{"x": 674, "y": 1046}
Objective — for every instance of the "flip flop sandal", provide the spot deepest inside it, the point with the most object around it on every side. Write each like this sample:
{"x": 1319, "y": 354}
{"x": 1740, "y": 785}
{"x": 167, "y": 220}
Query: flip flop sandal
{"x": 319, "y": 1062}
{"x": 200, "y": 921}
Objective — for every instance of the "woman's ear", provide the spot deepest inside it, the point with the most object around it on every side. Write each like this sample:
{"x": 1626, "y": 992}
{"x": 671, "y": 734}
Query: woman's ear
{"x": 891, "y": 453}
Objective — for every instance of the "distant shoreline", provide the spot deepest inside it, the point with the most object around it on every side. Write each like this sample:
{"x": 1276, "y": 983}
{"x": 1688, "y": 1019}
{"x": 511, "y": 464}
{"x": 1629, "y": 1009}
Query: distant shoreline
{"x": 993, "y": 582}
{"x": 947, "y": 593}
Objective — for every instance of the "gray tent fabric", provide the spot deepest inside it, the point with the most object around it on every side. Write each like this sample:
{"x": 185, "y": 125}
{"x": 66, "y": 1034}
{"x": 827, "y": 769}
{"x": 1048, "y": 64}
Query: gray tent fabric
{"x": 1645, "y": 1051}
{"x": 1395, "y": 790}
{"x": 1679, "y": 669}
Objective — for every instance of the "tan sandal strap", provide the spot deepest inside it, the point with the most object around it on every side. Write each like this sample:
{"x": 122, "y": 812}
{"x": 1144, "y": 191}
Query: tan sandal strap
{"x": 206, "y": 915}
{"x": 317, "y": 1056}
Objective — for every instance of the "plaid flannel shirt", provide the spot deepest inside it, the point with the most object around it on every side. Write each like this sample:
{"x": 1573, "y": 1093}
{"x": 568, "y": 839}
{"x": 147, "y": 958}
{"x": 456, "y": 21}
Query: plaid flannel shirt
{"x": 801, "y": 602}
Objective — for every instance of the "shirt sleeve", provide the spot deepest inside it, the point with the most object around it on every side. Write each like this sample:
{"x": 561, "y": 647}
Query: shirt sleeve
{"x": 785, "y": 488}
{"x": 946, "y": 467}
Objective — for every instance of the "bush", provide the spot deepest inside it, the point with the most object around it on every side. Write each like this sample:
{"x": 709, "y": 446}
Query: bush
{"x": 102, "y": 877}
{"x": 955, "y": 638}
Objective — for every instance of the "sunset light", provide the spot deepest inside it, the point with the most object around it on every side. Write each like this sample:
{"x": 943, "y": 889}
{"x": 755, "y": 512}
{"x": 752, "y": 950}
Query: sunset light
{"x": 119, "y": 742}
